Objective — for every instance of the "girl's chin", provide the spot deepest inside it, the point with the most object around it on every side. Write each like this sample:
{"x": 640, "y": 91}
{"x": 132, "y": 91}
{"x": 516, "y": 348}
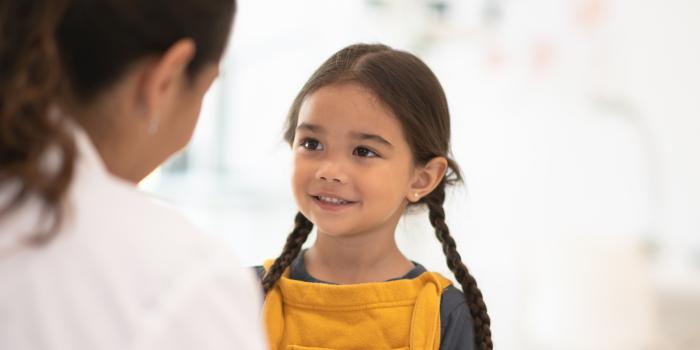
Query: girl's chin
{"x": 335, "y": 231}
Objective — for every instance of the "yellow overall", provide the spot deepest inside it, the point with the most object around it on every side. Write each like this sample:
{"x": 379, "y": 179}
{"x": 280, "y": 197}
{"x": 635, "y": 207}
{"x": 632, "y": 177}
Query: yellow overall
{"x": 400, "y": 314}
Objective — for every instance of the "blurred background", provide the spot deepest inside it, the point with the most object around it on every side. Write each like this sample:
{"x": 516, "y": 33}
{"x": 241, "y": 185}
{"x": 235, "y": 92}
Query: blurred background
{"x": 576, "y": 123}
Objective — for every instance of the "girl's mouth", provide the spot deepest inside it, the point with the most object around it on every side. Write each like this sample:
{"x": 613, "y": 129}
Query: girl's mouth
{"x": 332, "y": 203}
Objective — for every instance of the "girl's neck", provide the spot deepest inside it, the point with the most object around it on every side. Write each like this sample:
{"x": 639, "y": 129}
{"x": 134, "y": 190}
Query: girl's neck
{"x": 356, "y": 259}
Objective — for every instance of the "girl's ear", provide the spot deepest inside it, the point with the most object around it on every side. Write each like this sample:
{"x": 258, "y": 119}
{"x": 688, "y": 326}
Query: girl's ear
{"x": 426, "y": 178}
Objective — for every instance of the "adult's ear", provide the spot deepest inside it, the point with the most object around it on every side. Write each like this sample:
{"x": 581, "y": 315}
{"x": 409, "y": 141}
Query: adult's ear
{"x": 160, "y": 80}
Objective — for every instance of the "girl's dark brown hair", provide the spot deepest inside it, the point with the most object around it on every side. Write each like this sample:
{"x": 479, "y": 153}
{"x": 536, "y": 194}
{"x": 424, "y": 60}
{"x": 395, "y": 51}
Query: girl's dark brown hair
{"x": 407, "y": 87}
{"x": 75, "y": 49}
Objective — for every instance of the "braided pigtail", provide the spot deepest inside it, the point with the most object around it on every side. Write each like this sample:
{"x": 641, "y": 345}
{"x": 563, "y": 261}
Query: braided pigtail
{"x": 302, "y": 228}
{"x": 472, "y": 294}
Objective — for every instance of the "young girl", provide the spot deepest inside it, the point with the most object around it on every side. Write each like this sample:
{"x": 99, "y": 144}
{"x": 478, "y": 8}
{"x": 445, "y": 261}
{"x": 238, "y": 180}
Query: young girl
{"x": 370, "y": 134}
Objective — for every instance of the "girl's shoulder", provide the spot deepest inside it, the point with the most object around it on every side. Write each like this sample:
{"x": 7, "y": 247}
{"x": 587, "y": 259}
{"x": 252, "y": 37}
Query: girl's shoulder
{"x": 456, "y": 328}
{"x": 259, "y": 271}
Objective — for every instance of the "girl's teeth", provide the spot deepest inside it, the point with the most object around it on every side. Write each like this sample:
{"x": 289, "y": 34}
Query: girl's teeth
{"x": 332, "y": 200}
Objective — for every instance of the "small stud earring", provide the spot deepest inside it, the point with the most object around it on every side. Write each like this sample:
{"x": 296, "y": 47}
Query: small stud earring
{"x": 415, "y": 195}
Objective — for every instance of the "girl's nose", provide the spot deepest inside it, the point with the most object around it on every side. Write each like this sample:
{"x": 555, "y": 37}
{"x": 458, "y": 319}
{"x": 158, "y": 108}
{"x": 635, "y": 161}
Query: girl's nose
{"x": 334, "y": 179}
{"x": 331, "y": 172}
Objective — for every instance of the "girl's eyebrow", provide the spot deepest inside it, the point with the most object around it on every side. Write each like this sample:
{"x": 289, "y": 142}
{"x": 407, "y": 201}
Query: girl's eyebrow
{"x": 311, "y": 127}
{"x": 354, "y": 134}
{"x": 370, "y": 137}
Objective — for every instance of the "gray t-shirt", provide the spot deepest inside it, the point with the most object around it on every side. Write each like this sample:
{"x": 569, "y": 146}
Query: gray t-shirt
{"x": 456, "y": 329}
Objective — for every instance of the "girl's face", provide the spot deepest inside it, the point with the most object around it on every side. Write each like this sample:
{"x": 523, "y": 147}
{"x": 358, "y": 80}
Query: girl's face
{"x": 352, "y": 165}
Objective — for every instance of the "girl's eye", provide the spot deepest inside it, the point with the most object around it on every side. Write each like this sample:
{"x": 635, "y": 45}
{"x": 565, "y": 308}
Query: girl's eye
{"x": 311, "y": 144}
{"x": 364, "y": 152}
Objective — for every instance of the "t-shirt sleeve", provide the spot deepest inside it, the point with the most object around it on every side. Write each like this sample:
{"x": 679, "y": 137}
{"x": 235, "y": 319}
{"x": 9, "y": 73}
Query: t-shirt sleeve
{"x": 456, "y": 328}
{"x": 259, "y": 271}
{"x": 219, "y": 310}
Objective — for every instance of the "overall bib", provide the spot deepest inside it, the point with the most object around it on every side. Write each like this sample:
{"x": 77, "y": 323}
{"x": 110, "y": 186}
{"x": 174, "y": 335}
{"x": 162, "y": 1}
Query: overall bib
{"x": 395, "y": 315}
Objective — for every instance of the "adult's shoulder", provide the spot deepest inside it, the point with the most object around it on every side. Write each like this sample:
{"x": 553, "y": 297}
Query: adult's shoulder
{"x": 140, "y": 264}
{"x": 150, "y": 235}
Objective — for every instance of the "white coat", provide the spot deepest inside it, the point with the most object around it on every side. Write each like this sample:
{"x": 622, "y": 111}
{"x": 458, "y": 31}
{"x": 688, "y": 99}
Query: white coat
{"x": 123, "y": 272}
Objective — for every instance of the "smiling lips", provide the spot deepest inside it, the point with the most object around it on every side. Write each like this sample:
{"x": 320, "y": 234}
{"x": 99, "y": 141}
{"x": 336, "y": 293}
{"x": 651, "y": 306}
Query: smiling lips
{"x": 331, "y": 202}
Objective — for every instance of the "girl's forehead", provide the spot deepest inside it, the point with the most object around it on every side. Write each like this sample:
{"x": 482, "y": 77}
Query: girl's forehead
{"x": 348, "y": 106}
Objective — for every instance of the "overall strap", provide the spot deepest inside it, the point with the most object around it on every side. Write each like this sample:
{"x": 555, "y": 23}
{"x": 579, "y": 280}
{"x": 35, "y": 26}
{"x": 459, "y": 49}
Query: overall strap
{"x": 273, "y": 313}
{"x": 425, "y": 322}
{"x": 267, "y": 263}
